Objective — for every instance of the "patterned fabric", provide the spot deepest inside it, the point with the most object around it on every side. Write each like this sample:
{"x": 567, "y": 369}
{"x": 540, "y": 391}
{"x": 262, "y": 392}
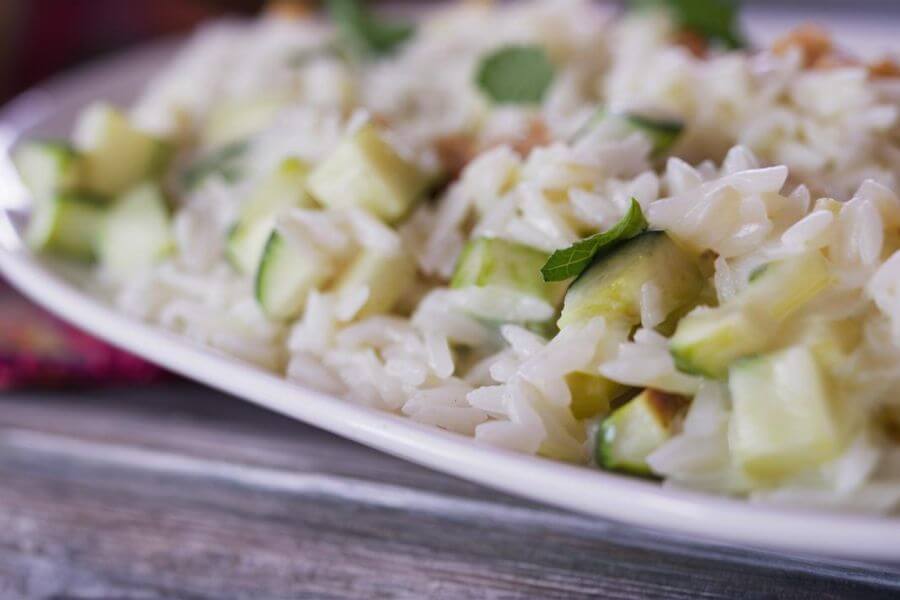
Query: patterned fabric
{"x": 38, "y": 350}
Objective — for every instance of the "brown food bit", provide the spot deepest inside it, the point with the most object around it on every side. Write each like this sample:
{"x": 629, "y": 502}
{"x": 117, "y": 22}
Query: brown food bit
{"x": 537, "y": 135}
{"x": 835, "y": 60}
{"x": 455, "y": 151}
{"x": 813, "y": 41}
{"x": 380, "y": 120}
{"x": 290, "y": 10}
{"x": 884, "y": 68}
{"x": 890, "y": 422}
{"x": 696, "y": 44}
{"x": 666, "y": 405}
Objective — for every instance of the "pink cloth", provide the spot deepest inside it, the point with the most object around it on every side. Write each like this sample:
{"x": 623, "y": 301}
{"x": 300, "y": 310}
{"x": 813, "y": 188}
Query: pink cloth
{"x": 39, "y": 350}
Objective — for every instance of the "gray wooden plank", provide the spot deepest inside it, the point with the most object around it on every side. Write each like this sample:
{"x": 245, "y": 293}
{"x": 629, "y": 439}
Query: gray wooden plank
{"x": 196, "y": 496}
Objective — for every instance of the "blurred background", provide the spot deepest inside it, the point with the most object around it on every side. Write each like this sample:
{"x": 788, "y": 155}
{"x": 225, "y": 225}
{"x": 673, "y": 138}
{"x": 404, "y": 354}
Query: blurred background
{"x": 39, "y": 38}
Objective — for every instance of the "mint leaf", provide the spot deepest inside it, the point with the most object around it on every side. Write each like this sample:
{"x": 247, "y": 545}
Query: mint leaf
{"x": 363, "y": 32}
{"x": 715, "y": 20}
{"x": 515, "y": 75}
{"x": 571, "y": 261}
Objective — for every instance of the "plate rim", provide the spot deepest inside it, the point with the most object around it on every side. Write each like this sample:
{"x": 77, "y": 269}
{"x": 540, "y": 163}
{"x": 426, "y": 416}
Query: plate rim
{"x": 644, "y": 504}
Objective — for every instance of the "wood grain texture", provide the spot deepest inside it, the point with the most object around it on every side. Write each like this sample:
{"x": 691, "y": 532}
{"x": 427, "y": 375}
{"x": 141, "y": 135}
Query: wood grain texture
{"x": 179, "y": 492}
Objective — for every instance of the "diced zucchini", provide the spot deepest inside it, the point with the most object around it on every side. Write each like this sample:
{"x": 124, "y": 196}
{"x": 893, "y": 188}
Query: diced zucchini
{"x": 236, "y": 120}
{"x": 611, "y": 286}
{"x": 366, "y": 172}
{"x": 592, "y": 394}
{"x": 49, "y": 167}
{"x": 784, "y": 286}
{"x": 282, "y": 190}
{"x": 500, "y": 263}
{"x": 634, "y": 430}
{"x": 66, "y": 224}
{"x": 136, "y": 232}
{"x": 662, "y": 133}
{"x": 117, "y": 156}
{"x": 224, "y": 162}
{"x": 287, "y": 273}
{"x": 782, "y": 419}
{"x": 708, "y": 340}
{"x": 386, "y": 276}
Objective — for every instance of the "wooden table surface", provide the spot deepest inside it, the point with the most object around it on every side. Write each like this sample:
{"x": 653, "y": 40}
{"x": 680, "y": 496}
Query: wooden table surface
{"x": 175, "y": 491}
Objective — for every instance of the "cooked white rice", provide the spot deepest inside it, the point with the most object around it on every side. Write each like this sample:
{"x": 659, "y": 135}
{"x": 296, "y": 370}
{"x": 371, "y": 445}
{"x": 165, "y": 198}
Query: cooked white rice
{"x": 765, "y": 139}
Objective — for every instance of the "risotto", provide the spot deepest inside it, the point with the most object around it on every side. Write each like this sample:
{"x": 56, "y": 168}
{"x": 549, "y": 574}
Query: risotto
{"x": 629, "y": 241}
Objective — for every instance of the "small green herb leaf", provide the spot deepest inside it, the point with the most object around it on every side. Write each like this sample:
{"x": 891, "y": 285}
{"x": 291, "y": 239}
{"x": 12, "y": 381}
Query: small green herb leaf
{"x": 363, "y": 32}
{"x": 515, "y": 75}
{"x": 571, "y": 261}
{"x": 716, "y": 20}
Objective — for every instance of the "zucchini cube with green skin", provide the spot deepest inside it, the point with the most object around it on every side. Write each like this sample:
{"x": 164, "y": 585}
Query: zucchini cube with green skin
{"x": 366, "y": 172}
{"x": 47, "y": 167}
{"x": 592, "y": 394}
{"x": 708, "y": 340}
{"x": 288, "y": 271}
{"x": 136, "y": 232}
{"x": 634, "y": 430}
{"x": 386, "y": 277}
{"x": 66, "y": 224}
{"x": 783, "y": 287}
{"x": 611, "y": 286}
{"x": 117, "y": 156}
{"x": 505, "y": 265}
{"x": 284, "y": 189}
{"x": 782, "y": 418}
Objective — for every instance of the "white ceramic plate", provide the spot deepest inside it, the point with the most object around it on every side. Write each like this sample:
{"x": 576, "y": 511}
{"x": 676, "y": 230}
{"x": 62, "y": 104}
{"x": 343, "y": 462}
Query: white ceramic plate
{"x": 50, "y": 111}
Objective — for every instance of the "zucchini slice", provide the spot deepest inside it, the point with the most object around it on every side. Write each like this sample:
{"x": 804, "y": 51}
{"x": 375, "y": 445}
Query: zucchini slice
{"x": 47, "y": 167}
{"x": 385, "y": 276}
{"x": 708, "y": 340}
{"x": 512, "y": 270}
{"x": 634, "y": 430}
{"x": 66, "y": 224}
{"x": 611, "y": 286}
{"x": 284, "y": 189}
{"x": 782, "y": 418}
{"x": 287, "y": 273}
{"x": 498, "y": 262}
{"x": 136, "y": 232}
{"x": 117, "y": 156}
{"x": 592, "y": 394}
{"x": 365, "y": 171}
